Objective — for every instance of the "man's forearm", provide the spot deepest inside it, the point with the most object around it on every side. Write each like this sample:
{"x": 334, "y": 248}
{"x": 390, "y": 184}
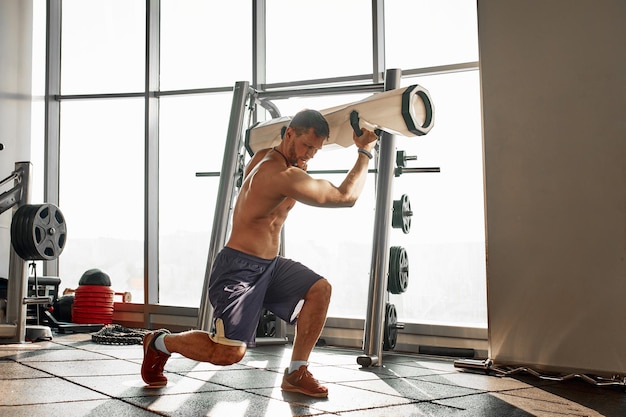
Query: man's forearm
{"x": 354, "y": 182}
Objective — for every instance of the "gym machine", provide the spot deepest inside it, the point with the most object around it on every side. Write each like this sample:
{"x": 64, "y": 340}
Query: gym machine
{"x": 404, "y": 111}
{"x": 38, "y": 232}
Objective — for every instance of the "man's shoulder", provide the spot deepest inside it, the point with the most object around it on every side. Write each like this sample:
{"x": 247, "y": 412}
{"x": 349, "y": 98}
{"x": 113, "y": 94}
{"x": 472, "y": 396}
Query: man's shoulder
{"x": 261, "y": 153}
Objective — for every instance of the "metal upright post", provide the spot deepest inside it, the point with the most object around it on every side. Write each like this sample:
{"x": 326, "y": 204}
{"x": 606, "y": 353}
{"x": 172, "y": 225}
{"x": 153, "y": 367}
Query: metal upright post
{"x": 225, "y": 195}
{"x": 377, "y": 297}
{"x": 18, "y": 273}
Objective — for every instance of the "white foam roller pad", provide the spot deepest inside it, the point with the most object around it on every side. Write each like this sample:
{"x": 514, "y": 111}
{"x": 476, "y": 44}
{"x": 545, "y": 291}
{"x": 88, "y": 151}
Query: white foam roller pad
{"x": 404, "y": 111}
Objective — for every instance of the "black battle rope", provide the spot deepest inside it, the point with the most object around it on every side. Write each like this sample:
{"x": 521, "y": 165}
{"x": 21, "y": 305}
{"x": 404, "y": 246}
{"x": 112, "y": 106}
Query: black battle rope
{"x": 115, "y": 334}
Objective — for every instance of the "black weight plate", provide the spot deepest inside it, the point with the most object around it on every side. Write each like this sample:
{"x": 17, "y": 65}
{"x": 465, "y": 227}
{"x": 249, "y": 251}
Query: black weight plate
{"x": 29, "y": 232}
{"x": 392, "y": 278}
{"x": 398, "y": 276}
{"x": 38, "y": 232}
{"x": 401, "y": 216}
{"x": 48, "y": 232}
{"x": 19, "y": 231}
{"x": 406, "y": 214}
{"x": 43, "y": 233}
{"x": 396, "y": 218}
{"x": 403, "y": 275}
{"x": 16, "y": 230}
{"x": 32, "y": 231}
{"x": 390, "y": 333}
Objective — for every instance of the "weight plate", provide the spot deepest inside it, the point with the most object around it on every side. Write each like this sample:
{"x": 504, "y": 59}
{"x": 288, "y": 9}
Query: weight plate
{"x": 398, "y": 277}
{"x": 15, "y": 235}
{"x": 29, "y": 232}
{"x": 38, "y": 232}
{"x": 402, "y": 213}
{"x": 390, "y": 336}
{"x": 19, "y": 224}
{"x": 49, "y": 232}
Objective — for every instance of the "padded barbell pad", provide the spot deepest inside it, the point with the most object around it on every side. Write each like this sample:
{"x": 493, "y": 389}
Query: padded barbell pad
{"x": 219, "y": 337}
{"x": 404, "y": 111}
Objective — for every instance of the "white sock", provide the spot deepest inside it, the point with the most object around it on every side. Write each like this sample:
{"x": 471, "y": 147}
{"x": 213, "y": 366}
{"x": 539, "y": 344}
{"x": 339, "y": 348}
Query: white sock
{"x": 295, "y": 365}
{"x": 159, "y": 344}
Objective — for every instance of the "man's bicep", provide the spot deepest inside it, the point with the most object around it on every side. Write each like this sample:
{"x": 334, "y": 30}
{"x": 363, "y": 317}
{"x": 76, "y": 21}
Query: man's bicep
{"x": 314, "y": 192}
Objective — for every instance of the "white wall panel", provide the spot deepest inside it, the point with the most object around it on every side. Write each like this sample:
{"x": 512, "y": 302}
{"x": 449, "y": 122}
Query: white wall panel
{"x": 15, "y": 100}
{"x": 554, "y": 97}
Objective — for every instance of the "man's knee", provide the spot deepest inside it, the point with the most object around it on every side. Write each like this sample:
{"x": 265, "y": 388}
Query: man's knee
{"x": 226, "y": 351}
{"x": 226, "y": 355}
{"x": 321, "y": 291}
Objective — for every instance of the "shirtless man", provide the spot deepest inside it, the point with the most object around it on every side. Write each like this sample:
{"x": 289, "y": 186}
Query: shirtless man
{"x": 248, "y": 275}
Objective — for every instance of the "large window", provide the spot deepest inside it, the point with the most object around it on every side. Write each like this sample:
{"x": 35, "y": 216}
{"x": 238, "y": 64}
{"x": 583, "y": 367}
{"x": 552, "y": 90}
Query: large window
{"x": 103, "y": 46}
{"x": 204, "y": 44}
{"x": 426, "y": 33}
{"x": 107, "y": 136}
{"x": 318, "y": 39}
{"x": 192, "y": 136}
{"x": 102, "y": 191}
{"x": 446, "y": 243}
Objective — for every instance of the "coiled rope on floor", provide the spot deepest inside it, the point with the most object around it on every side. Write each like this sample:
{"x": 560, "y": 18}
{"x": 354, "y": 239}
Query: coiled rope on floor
{"x": 115, "y": 334}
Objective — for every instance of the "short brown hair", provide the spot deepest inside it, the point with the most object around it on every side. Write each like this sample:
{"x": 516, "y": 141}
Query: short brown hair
{"x": 307, "y": 119}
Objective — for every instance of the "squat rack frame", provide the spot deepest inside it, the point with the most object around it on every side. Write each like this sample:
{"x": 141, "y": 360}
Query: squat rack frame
{"x": 232, "y": 171}
{"x": 14, "y": 329}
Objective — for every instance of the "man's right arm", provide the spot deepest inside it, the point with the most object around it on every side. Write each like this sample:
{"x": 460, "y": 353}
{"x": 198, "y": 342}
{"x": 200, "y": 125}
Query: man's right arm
{"x": 297, "y": 184}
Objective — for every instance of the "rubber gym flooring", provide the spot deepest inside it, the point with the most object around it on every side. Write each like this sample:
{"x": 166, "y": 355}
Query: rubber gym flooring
{"x": 72, "y": 376}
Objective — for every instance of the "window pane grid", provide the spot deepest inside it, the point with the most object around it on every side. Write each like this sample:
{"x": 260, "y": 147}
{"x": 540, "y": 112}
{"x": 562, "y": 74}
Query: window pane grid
{"x": 198, "y": 62}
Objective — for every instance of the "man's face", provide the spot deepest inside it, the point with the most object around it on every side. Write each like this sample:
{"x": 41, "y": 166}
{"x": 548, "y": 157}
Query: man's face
{"x": 303, "y": 147}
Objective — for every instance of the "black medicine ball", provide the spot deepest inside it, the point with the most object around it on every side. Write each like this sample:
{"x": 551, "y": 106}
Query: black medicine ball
{"x": 95, "y": 277}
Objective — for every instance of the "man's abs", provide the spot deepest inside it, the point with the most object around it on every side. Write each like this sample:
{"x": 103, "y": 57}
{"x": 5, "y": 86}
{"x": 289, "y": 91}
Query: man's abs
{"x": 260, "y": 242}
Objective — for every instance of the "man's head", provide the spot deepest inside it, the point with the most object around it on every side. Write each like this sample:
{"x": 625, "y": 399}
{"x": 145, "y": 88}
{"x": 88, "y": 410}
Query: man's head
{"x": 304, "y": 137}
{"x": 310, "y": 119}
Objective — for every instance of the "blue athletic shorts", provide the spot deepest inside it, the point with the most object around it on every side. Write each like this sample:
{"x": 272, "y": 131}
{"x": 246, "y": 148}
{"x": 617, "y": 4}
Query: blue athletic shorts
{"x": 241, "y": 285}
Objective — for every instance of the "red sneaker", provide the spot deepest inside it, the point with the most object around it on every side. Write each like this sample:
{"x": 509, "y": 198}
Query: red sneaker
{"x": 303, "y": 382}
{"x": 153, "y": 361}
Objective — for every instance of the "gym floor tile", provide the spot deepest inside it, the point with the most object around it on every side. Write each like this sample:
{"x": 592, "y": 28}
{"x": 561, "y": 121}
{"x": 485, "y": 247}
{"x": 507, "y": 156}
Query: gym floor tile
{"x": 221, "y": 403}
{"x": 125, "y": 386}
{"x": 73, "y": 376}
{"x": 14, "y": 370}
{"x": 340, "y": 399}
{"x": 411, "y": 389}
{"x": 51, "y": 355}
{"x": 44, "y": 390}
{"x": 94, "y": 408}
{"x": 477, "y": 381}
{"x": 69, "y": 367}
